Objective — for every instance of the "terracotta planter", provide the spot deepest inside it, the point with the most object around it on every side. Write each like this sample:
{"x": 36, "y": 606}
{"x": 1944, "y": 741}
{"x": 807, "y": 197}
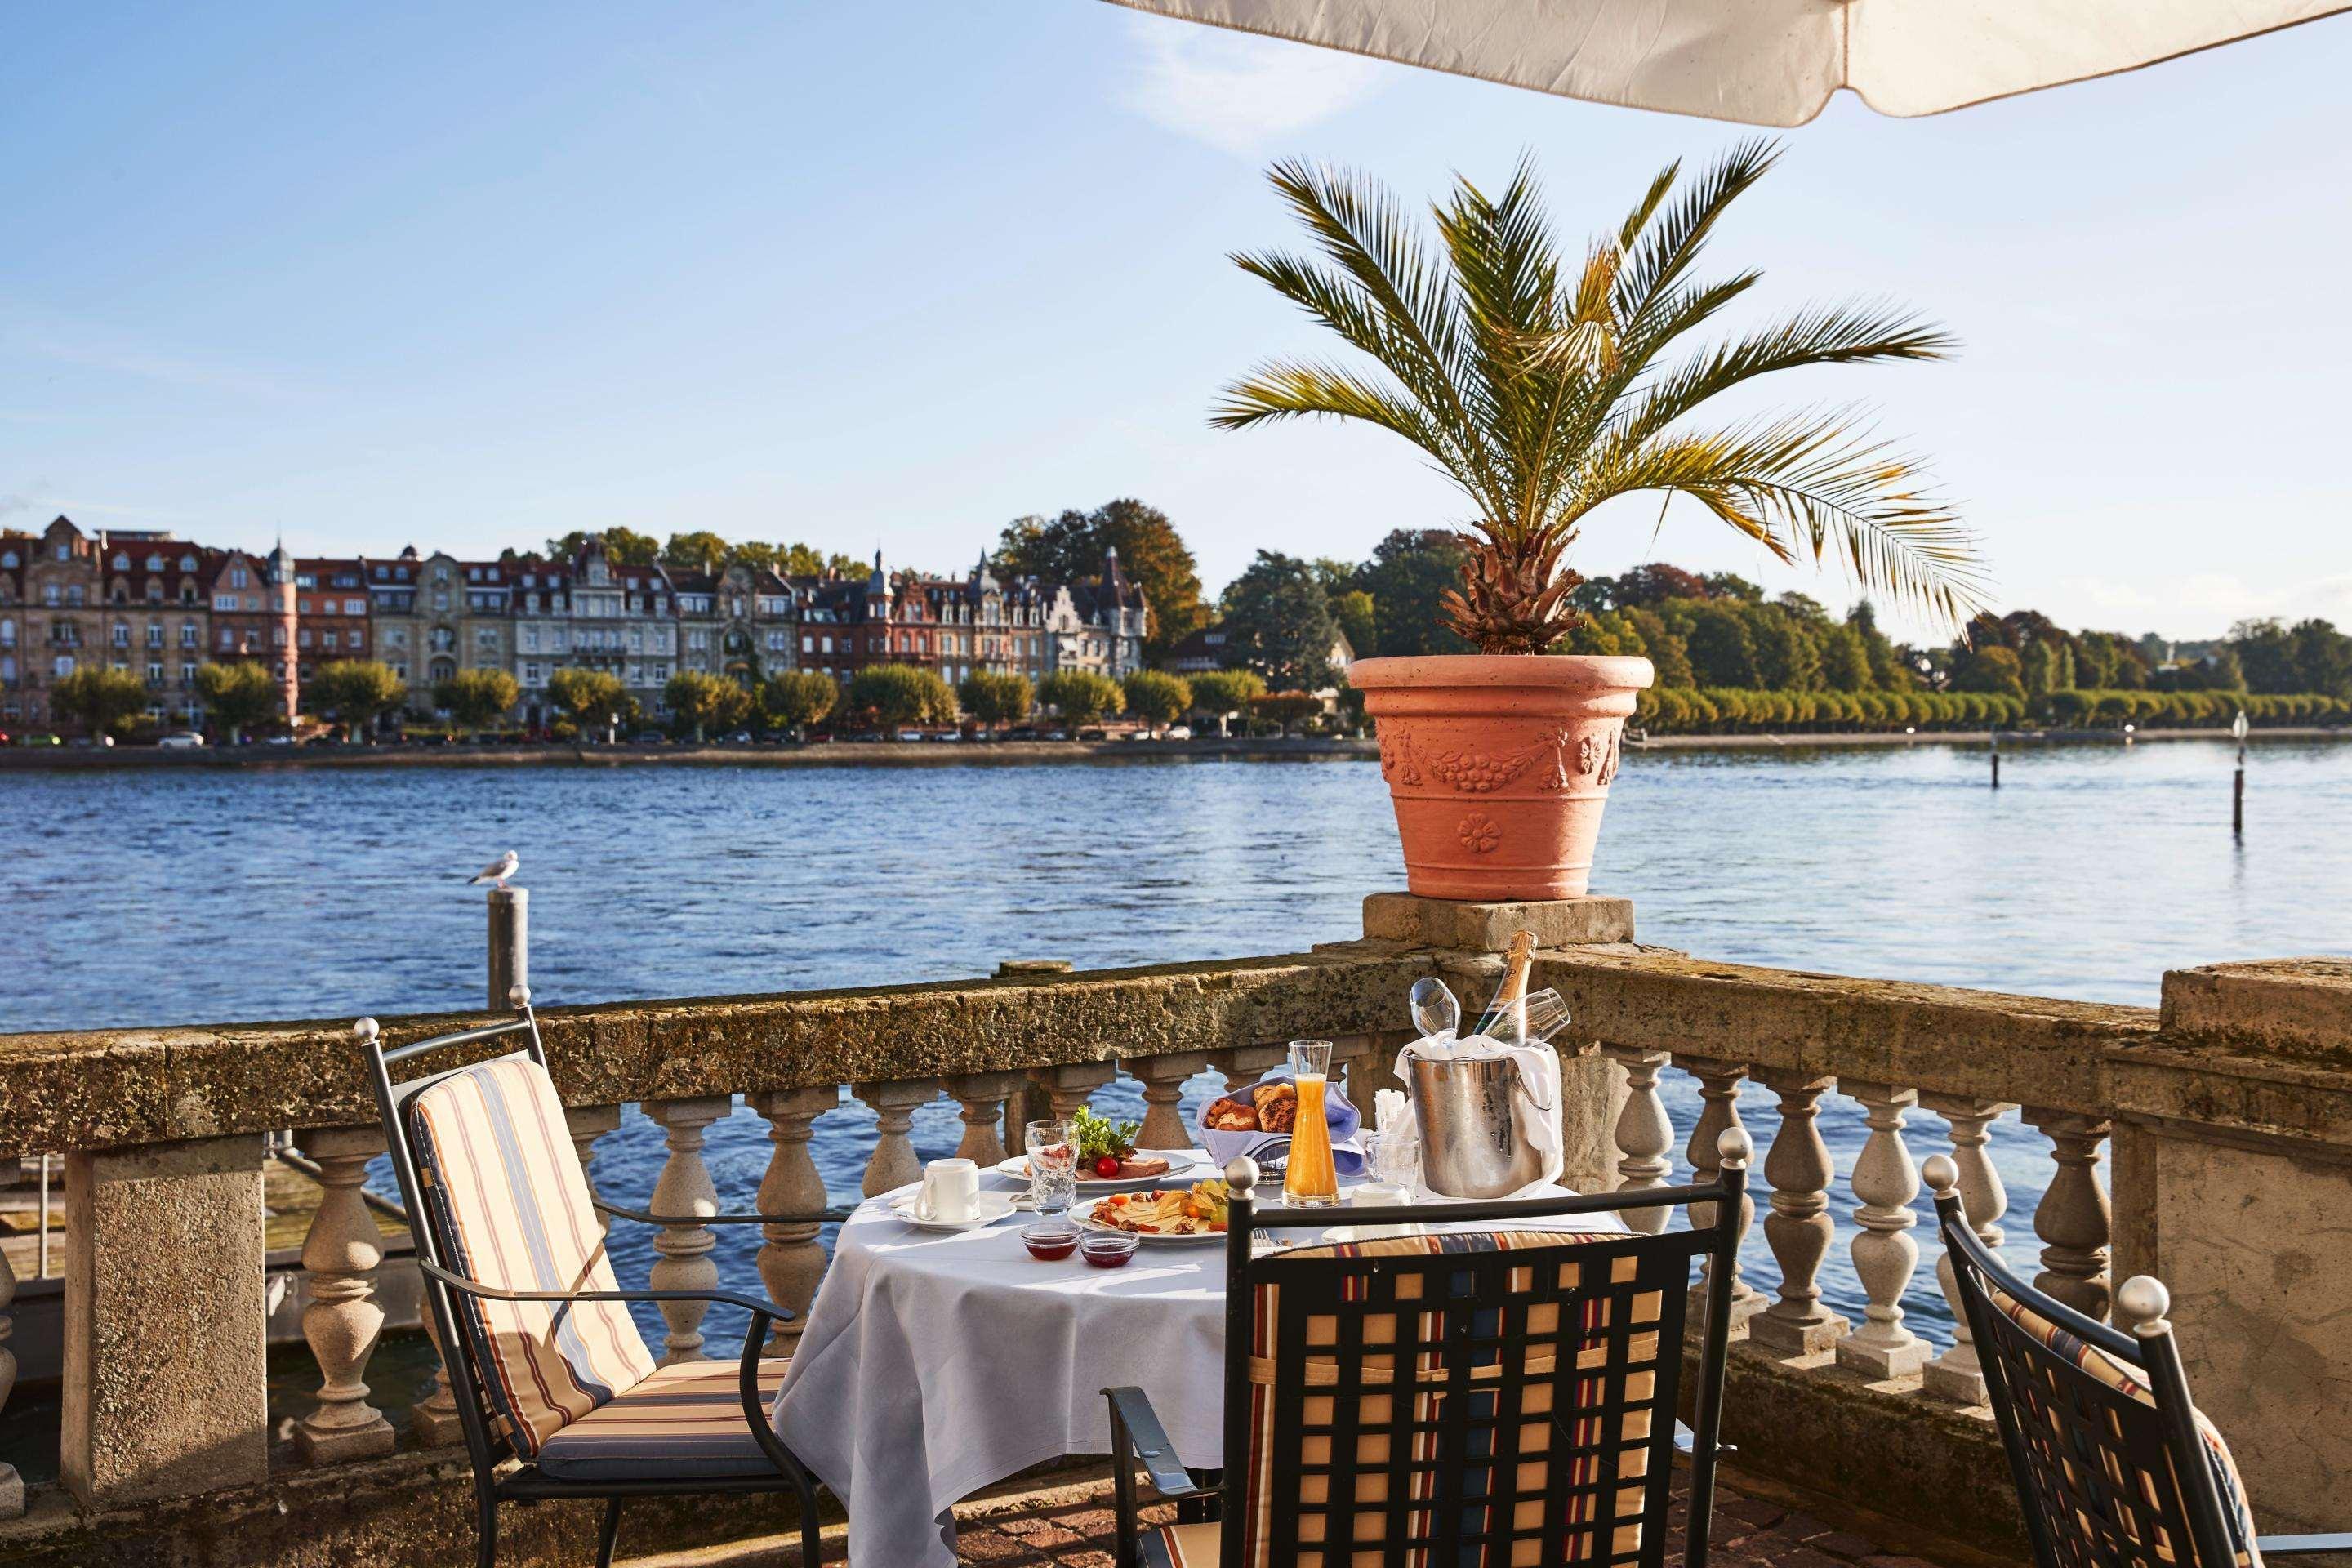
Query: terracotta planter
{"x": 1499, "y": 766}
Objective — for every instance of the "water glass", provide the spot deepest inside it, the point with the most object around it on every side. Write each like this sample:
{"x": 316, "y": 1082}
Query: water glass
{"x": 1053, "y": 1166}
{"x": 1392, "y": 1158}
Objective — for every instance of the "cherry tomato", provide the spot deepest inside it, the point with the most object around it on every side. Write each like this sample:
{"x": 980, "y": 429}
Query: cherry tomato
{"x": 1107, "y": 1167}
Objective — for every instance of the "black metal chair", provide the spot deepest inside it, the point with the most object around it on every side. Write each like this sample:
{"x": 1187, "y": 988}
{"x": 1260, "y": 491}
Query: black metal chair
{"x": 542, "y": 1359}
{"x": 2115, "y": 1465}
{"x": 1500, "y": 1396}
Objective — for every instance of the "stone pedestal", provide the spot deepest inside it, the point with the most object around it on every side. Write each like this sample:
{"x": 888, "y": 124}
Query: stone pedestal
{"x": 1592, "y": 1088}
{"x": 165, "y": 1370}
{"x": 1488, "y": 928}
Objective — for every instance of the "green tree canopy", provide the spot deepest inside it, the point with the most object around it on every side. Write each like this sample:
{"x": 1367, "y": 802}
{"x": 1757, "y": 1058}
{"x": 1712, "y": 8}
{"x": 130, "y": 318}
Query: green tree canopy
{"x": 1409, "y": 572}
{"x": 795, "y": 699}
{"x": 593, "y": 699}
{"x": 1080, "y": 696}
{"x": 1992, "y": 668}
{"x": 697, "y": 550}
{"x": 623, "y": 545}
{"x": 239, "y": 695}
{"x": 1157, "y": 698}
{"x": 1277, "y": 621}
{"x": 996, "y": 697}
{"x": 1224, "y": 691}
{"x": 103, "y": 701}
{"x": 1286, "y": 708}
{"x": 476, "y": 698}
{"x": 1151, "y": 554}
{"x": 356, "y": 692}
{"x": 893, "y": 694}
{"x": 701, "y": 701}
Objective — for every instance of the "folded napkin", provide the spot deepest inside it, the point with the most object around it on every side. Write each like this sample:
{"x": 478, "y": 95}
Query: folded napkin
{"x": 1272, "y": 1150}
{"x": 1540, "y": 1080}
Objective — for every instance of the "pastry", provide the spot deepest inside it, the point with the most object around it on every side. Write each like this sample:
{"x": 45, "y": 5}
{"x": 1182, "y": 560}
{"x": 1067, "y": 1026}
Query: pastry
{"x": 1232, "y": 1114}
{"x": 1277, "y": 1107}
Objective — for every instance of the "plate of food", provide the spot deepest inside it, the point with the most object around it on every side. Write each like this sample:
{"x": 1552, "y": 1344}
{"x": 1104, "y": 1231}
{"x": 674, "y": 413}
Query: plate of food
{"x": 1193, "y": 1213}
{"x": 1109, "y": 1160}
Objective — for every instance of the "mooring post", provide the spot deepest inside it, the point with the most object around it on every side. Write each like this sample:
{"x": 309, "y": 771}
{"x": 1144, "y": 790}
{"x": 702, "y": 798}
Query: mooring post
{"x": 1992, "y": 744}
{"x": 509, "y": 944}
{"x": 2238, "y": 784}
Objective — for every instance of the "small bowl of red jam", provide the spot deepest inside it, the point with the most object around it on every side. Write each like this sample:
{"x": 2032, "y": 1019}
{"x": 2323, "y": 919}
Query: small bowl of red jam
{"x": 1051, "y": 1240}
{"x": 1106, "y": 1251}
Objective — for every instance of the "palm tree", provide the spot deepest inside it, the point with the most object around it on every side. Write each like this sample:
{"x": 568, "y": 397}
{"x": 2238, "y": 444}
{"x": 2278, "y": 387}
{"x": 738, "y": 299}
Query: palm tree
{"x": 1541, "y": 388}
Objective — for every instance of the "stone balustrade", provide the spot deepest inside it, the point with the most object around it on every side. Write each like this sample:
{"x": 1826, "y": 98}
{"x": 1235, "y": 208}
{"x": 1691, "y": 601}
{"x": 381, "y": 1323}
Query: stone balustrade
{"x": 163, "y": 1130}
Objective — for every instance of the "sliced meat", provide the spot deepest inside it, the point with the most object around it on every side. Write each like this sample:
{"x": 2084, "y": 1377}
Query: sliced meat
{"x": 1135, "y": 1167}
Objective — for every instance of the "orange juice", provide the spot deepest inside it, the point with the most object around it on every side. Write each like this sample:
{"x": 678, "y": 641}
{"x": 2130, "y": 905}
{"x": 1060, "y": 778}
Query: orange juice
{"x": 1311, "y": 1177}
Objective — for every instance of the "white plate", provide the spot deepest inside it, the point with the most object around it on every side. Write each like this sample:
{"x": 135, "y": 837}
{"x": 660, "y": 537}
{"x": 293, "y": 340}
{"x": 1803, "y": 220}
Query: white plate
{"x": 993, "y": 1206}
{"x": 1085, "y": 1215}
{"x": 1185, "y": 1166}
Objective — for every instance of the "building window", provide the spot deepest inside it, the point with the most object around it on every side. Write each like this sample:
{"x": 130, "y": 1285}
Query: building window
{"x": 121, "y": 635}
{"x": 328, "y": 638}
{"x": 154, "y": 634}
{"x": 303, "y": 638}
{"x": 63, "y": 665}
{"x": 154, "y": 672}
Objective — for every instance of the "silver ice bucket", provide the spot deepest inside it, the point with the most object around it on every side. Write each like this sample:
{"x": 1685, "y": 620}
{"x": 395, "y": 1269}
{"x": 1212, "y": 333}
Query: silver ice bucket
{"x": 1474, "y": 1118}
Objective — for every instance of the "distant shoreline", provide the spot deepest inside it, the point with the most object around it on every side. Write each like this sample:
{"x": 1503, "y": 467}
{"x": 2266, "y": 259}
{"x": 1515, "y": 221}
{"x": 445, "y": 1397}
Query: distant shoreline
{"x": 933, "y": 754}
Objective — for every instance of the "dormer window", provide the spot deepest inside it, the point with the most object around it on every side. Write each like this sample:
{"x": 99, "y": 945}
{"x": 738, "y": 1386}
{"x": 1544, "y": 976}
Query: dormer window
{"x": 121, "y": 561}
{"x": 187, "y": 563}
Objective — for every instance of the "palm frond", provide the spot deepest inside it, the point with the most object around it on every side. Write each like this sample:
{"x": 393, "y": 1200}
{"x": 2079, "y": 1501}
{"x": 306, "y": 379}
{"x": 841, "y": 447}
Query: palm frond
{"x": 1669, "y": 246}
{"x": 1815, "y": 484}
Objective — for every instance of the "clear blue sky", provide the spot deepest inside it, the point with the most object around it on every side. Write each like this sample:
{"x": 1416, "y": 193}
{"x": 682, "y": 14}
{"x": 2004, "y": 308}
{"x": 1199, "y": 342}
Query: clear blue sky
{"x": 472, "y": 276}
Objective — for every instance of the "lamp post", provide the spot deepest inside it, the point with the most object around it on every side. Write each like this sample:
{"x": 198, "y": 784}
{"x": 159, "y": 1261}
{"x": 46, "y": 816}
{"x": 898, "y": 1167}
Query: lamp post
{"x": 2238, "y": 784}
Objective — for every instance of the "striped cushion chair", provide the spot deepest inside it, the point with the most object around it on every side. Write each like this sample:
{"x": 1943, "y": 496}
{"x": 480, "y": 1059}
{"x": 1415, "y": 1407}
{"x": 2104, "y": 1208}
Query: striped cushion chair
{"x": 543, "y": 1357}
{"x": 1474, "y": 1400}
{"x": 2114, "y": 1467}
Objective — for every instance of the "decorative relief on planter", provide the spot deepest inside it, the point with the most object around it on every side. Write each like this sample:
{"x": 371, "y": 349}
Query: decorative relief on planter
{"x": 1597, "y": 755}
{"x": 1397, "y": 762}
{"x": 1483, "y": 773}
{"x": 1479, "y": 833}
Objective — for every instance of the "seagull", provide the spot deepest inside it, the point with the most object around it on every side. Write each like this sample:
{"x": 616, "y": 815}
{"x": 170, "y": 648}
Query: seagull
{"x": 497, "y": 872}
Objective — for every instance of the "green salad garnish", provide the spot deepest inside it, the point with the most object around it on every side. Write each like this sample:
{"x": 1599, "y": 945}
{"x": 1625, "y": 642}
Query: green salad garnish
{"x": 1097, "y": 1136}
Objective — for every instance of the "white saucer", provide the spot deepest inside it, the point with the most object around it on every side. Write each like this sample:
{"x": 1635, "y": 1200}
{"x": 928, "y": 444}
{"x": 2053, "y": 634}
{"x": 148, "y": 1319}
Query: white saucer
{"x": 993, "y": 1206}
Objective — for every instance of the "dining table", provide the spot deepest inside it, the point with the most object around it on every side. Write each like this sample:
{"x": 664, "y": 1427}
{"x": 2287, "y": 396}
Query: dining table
{"x": 934, "y": 1363}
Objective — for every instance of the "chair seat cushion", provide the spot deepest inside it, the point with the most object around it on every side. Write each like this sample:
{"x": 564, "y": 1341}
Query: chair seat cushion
{"x": 684, "y": 1420}
{"x": 1180, "y": 1546}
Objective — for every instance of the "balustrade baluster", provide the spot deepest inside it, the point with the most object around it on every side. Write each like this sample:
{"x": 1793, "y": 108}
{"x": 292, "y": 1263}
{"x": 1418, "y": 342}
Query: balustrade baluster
{"x": 1069, "y": 1085}
{"x": 1957, "y": 1375}
{"x": 1797, "y": 1227}
{"x": 1246, "y": 1064}
{"x": 341, "y": 1321}
{"x": 791, "y": 1261}
{"x": 1719, "y": 1096}
{"x": 1645, "y": 1134}
{"x": 983, "y": 1096}
{"x": 682, "y": 1259}
{"x": 2074, "y": 1217}
{"x": 894, "y": 1162}
{"x": 12, "y": 1485}
{"x": 586, "y": 1124}
{"x": 1163, "y": 1087}
{"x": 1884, "y": 1256}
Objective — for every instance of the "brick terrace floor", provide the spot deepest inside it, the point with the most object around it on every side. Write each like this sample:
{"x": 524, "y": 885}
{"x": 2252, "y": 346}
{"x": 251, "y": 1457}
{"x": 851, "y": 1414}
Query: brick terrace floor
{"x": 1073, "y": 1527}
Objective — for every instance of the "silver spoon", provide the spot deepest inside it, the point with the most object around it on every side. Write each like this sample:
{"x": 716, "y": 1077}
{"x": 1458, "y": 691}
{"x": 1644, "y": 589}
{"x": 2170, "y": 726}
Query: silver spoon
{"x": 1434, "y": 1009}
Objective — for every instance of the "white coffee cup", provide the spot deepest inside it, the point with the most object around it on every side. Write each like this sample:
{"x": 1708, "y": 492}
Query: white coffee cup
{"x": 950, "y": 1192}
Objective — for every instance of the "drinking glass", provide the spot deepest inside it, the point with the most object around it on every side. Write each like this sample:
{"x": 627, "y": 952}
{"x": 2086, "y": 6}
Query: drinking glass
{"x": 1311, "y": 1176}
{"x": 1053, "y": 1166}
{"x": 1392, "y": 1158}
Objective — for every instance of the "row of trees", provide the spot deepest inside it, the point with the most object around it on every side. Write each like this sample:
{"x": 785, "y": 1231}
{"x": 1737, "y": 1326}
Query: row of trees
{"x": 1683, "y": 711}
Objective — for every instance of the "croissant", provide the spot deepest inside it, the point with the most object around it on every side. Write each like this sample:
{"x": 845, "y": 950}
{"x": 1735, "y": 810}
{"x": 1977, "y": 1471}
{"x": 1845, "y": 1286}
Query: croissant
{"x": 1232, "y": 1115}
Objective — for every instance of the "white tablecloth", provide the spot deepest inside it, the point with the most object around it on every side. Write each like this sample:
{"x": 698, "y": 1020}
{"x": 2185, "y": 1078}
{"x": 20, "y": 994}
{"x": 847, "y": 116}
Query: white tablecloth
{"x": 933, "y": 1365}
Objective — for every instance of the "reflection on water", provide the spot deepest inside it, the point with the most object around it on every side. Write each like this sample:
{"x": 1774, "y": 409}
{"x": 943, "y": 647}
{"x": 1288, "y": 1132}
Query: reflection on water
{"x": 181, "y": 897}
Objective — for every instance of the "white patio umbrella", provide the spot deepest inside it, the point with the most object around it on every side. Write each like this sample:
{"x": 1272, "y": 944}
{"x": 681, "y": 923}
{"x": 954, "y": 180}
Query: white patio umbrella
{"x": 1766, "y": 62}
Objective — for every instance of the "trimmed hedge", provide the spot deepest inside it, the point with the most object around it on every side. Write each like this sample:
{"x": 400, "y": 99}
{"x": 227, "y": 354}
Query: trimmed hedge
{"x": 1728, "y": 710}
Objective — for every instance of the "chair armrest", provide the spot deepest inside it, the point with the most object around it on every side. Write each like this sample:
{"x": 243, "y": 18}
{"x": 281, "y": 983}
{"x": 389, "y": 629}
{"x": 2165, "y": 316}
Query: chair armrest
{"x": 2302, "y": 1545}
{"x": 1133, "y": 1419}
{"x": 758, "y": 1308}
{"x": 825, "y": 1216}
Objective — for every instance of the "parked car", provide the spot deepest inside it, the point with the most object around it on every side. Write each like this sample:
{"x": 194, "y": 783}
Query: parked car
{"x": 178, "y": 739}
{"x": 740, "y": 738}
{"x": 1177, "y": 732}
{"x": 910, "y": 735}
{"x": 949, "y": 735}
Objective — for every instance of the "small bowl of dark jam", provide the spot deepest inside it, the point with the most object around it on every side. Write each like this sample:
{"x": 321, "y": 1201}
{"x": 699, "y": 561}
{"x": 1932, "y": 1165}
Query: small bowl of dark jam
{"x": 1050, "y": 1240}
{"x": 1105, "y": 1250}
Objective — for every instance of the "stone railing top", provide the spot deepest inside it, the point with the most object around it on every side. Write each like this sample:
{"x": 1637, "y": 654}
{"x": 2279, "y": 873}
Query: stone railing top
{"x": 111, "y": 1087}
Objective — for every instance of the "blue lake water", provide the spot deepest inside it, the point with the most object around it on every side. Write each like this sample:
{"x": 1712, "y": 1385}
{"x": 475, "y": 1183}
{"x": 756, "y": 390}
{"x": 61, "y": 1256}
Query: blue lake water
{"x": 188, "y": 896}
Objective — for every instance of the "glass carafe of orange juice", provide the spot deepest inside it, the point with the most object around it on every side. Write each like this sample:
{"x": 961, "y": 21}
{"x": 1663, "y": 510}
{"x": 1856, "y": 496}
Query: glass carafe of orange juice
{"x": 1311, "y": 1177}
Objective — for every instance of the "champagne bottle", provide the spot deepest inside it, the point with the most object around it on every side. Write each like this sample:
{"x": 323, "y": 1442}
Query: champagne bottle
{"x": 1506, "y": 1018}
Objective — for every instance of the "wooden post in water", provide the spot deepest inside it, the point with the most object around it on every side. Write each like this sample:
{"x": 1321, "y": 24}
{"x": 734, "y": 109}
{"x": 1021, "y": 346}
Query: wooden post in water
{"x": 1992, "y": 744}
{"x": 509, "y": 944}
{"x": 2238, "y": 784}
